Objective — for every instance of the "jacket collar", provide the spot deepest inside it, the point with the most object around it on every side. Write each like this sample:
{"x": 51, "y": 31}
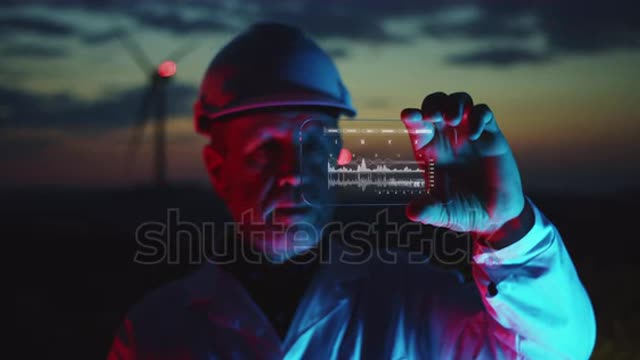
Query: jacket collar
{"x": 204, "y": 284}
{"x": 333, "y": 286}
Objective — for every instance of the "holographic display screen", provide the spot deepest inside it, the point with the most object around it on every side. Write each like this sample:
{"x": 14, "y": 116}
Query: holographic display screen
{"x": 372, "y": 164}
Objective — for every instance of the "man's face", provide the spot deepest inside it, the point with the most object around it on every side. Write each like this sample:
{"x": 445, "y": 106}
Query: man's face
{"x": 259, "y": 174}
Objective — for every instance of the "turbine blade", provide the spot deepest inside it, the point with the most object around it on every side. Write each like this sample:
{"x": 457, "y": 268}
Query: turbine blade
{"x": 181, "y": 52}
{"x": 137, "y": 54}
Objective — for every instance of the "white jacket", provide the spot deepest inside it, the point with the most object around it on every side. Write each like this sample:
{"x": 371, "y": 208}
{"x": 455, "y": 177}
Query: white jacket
{"x": 537, "y": 309}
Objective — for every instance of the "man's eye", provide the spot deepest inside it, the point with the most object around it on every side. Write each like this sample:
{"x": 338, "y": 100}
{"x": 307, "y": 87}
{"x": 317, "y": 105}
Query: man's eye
{"x": 311, "y": 146}
{"x": 259, "y": 158}
{"x": 317, "y": 144}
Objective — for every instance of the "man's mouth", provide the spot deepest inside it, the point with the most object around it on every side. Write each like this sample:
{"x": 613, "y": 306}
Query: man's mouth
{"x": 292, "y": 210}
{"x": 289, "y": 211}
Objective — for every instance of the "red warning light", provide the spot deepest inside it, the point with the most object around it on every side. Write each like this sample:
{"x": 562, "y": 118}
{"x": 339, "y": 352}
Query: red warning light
{"x": 167, "y": 69}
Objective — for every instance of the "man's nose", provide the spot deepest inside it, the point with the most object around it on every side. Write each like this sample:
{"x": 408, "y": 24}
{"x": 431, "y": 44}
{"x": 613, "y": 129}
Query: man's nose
{"x": 290, "y": 180}
{"x": 290, "y": 168}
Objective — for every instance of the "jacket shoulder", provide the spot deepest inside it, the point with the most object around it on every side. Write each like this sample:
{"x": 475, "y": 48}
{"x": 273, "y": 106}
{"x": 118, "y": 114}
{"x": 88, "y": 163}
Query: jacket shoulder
{"x": 160, "y": 318}
{"x": 165, "y": 299}
{"x": 150, "y": 324}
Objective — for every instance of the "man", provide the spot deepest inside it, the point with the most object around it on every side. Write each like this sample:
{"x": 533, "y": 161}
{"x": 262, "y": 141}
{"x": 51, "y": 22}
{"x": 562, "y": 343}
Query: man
{"x": 525, "y": 301}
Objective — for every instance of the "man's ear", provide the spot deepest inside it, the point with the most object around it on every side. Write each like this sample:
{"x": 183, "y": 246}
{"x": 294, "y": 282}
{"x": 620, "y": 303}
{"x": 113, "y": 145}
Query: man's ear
{"x": 214, "y": 161}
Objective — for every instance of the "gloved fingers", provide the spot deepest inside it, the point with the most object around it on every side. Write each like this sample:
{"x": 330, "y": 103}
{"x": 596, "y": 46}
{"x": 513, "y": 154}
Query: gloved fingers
{"x": 412, "y": 118}
{"x": 427, "y": 210}
{"x": 486, "y": 136}
{"x": 457, "y": 213}
{"x": 457, "y": 108}
{"x": 479, "y": 118}
{"x": 421, "y": 132}
{"x": 433, "y": 106}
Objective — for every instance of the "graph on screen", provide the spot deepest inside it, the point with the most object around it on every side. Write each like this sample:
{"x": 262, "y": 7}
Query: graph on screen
{"x": 375, "y": 164}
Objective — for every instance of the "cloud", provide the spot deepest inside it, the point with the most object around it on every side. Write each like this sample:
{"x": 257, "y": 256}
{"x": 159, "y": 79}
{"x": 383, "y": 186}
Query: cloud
{"x": 36, "y": 25}
{"x": 377, "y": 102}
{"x": 337, "y": 52}
{"x": 362, "y": 21}
{"x": 498, "y": 57}
{"x": 480, "y": 28}
{"x": 591, "y": 25}
{"x": 359, "y": 20}
{"x": 32, "y": 50}
{"x": 98, "y": 38}
{"x": 26, "y": 110}
{"x": 564, "y": 26}
{"x": 179, "y": 24}
{"x": 11, "y": 74}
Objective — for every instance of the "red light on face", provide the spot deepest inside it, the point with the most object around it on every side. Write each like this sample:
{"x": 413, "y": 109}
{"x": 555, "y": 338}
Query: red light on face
{"x": 167, "y": 69}
{"x": 345, "y": 157}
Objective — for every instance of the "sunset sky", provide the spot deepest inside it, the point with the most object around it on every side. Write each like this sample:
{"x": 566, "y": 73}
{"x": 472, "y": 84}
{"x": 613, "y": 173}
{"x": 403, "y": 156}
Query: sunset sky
{"x": 562, "y": 80}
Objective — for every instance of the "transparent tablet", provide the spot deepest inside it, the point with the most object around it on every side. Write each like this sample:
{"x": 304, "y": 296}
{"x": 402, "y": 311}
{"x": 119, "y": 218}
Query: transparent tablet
{"x": 370, "y": 162}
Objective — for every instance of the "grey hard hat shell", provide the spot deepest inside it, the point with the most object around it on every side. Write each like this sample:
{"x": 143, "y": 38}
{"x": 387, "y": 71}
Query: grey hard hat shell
{"x": 269, "y": 65}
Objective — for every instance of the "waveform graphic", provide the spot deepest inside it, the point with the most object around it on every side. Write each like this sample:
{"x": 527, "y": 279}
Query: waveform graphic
{"x": 381, "y": 177}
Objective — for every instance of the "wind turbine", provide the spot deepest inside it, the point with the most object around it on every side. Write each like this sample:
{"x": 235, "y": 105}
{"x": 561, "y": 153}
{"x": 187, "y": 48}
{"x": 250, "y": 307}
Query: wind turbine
{"x": 154, "y": 103}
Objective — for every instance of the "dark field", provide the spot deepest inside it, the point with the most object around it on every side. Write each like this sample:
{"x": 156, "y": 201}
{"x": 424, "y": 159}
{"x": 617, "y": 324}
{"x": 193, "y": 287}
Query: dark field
{"x": 70, "y": 261}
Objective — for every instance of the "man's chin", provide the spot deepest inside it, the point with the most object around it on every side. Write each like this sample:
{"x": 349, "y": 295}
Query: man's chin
{"x": 289, "y": 221}
{"x": 279, "y": 249}
{"x": 291, "y": 216}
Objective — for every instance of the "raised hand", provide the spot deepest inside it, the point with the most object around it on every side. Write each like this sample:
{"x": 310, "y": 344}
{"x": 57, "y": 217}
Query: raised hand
{"x": 477, "y": 185}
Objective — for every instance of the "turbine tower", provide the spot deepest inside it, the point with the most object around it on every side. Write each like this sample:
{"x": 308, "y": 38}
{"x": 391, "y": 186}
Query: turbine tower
{"x": 153, "y": 104}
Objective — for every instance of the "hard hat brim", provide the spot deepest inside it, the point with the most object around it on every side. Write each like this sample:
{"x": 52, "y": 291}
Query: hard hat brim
{"x": 209, "y": 114}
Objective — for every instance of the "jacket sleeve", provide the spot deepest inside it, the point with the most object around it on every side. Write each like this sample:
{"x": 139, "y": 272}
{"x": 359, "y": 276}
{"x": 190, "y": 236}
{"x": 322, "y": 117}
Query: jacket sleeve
{"x": 122, "y": 347}
{"x": 536, "y": 306}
